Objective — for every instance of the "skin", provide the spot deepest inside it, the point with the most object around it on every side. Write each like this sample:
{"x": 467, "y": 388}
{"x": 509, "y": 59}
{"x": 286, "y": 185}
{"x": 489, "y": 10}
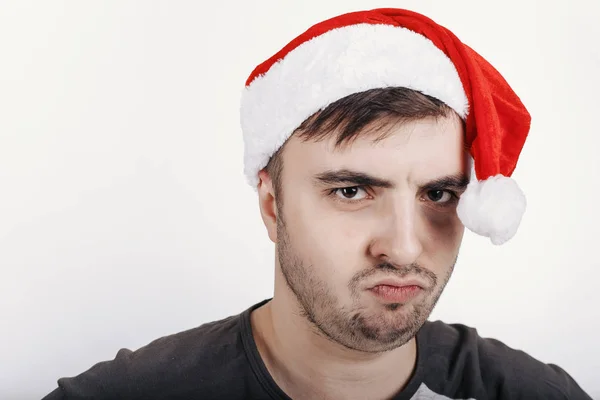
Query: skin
{"x": 347, "y": 218}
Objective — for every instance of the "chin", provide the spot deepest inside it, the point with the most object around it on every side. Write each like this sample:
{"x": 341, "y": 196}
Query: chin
{"x": 388, "y": 326}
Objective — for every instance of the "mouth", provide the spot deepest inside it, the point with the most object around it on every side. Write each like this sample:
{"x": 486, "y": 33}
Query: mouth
{"x": 396, "y": 290}
{"x": 399, "y": 283}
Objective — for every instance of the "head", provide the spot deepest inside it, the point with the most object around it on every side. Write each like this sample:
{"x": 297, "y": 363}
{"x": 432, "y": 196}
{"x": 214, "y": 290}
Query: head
{"x": 360, "y": 201}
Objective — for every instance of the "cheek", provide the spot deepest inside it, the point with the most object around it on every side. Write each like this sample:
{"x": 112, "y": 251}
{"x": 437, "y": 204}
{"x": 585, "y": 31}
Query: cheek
{"x": 442, "y": 222}
{"x": 443, "y": 232}
{"x": 332, "y": 242}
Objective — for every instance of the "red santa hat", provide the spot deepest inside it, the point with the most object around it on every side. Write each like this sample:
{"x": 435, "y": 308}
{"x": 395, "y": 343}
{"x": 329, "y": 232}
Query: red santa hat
{"x": 388, "y": 47}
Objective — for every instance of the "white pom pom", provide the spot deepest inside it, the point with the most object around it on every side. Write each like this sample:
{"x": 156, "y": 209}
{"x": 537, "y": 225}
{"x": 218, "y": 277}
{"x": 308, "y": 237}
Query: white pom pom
{"x": 492, "y": 208}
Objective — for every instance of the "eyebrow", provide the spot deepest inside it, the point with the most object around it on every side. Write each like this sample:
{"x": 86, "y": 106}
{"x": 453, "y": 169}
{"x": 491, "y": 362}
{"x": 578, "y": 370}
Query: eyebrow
{"x": 352, "y": 178}
{"x": 356, "y": 178}
{"x": 458, "y": 182}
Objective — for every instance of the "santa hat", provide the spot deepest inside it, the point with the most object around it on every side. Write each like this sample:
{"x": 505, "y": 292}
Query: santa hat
{"x": 381, "y": 48}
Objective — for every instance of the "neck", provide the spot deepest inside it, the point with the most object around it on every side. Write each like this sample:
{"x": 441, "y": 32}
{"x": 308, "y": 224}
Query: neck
{"x": 307, "y": 364}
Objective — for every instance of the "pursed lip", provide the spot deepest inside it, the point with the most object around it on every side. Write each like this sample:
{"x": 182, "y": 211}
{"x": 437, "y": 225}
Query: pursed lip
{"x": 397, "y": 282}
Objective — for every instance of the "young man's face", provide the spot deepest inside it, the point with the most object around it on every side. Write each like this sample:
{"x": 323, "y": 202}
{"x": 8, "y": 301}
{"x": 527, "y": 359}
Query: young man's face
{"x": 367, "y": 234}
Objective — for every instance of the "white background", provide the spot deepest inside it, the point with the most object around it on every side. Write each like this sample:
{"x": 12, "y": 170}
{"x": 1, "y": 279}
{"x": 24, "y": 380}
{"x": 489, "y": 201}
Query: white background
{"x": 125, "y": 216}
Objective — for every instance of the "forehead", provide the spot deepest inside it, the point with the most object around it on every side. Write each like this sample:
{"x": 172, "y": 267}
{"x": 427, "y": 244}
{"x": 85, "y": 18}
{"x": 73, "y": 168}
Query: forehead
{"x": 422, "y": 149}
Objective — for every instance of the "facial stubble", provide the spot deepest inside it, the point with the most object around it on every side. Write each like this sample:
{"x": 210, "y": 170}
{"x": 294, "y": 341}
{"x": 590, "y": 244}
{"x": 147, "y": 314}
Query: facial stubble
{"x": 353, "y": 326}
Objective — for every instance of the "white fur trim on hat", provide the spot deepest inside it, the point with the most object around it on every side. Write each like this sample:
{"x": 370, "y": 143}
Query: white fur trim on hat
{"x": 493, "y": 208}
{"x": 334, "y": 65}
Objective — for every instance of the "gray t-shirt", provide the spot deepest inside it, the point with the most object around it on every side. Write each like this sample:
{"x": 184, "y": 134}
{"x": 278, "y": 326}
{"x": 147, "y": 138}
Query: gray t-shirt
{"x": 220, "y": 360}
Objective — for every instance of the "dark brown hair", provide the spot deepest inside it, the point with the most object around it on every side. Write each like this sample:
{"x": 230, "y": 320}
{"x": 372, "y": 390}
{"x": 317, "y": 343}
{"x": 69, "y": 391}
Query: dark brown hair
{"x": 374, "y": 109}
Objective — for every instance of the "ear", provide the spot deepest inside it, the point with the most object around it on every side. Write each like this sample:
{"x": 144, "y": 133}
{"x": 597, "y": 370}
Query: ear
{"x": 267, "y": 204}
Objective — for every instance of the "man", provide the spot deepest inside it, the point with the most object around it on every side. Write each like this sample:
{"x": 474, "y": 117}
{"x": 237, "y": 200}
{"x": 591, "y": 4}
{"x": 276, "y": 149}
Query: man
{"x": 360, "y": 136}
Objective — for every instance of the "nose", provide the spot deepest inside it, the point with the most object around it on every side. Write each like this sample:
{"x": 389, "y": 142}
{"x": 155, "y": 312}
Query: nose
{"x": 397, "y": 239}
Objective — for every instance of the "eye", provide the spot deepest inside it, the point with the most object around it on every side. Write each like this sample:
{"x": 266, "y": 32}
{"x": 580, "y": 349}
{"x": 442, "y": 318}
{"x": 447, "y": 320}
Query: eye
{"x": 440, "y": 196}
{"x": 351, "y": 193}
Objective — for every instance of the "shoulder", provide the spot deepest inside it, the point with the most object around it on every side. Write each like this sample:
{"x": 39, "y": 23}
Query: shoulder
{"x": 498, "y": 370}
{"x": 181, "y": 364}
{"x": 208, "y": 340}
{"x": 215, "y": 343}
